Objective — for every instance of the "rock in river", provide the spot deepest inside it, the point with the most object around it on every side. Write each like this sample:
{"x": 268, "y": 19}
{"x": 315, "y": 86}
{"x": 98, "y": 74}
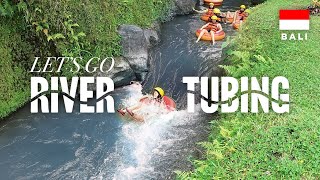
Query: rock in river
{"x": 135, "y": 43}
{"x": 135, "y": 48}
{"x": 121, "y": 74}
{"x": 183, "y": 7}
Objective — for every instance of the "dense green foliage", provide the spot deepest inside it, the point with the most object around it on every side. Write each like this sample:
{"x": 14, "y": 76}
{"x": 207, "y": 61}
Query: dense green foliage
{"x": 269, "y": 146}
{"x": 62, "y": 27}
{"x": 99, "y": 20}
{"x": 14, "y": 51}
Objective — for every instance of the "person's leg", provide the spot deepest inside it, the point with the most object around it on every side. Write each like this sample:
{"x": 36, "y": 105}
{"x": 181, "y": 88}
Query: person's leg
{"x": 139, "y": 118}
{"x": 121, "y": 111}
{"x": 232, "y": 15}
{"x": 235, "y": 17}
{"x": 229, "y": 14}
{"x": 133, "y": 111}
{"x": 135, "y": 115}
{"x": 201, "y": 34}
{"x": 228, "y": 17}
{"x": 212, "y": 35}
{"x": 133, "y": 107}
{"x": 224, "y": 20}
{"x": 136, "y": 110}
{"x": 130, "y": 109}
{"x": 138, "y": 106}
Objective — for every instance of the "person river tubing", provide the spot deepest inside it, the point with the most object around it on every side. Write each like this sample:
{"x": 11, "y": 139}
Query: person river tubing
{"x": 208, "y": 11}
{"x": 242, "y": 18}
{"x": 230, "y": 16}
{"x": 221, "y": 16}
{"x": 156, "y": 99}
{"x": 245, "y": 16}
{"x": 239, "y": 14}
{"x": 211, "y": 27}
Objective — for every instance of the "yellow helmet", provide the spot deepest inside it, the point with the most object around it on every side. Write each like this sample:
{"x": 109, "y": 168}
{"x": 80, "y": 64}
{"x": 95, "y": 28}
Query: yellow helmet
{"x": 211, "y": 4}
{"x": 216, "y": 11}
{"x": 242, "y": 7}
{"x": 248, "y": 11}
{"x": 160, "y": 91}
{"x": 214, "y": 18}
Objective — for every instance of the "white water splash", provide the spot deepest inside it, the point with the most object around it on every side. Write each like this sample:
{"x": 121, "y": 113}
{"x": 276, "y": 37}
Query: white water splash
{"x": 143, "y": 145}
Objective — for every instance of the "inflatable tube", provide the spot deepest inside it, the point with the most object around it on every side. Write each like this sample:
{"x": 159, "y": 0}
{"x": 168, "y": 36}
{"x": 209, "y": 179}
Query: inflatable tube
{"x": 236, "y": 25}
{"x": 205, "y": 18}
{"x": 215, "y": 2}
{"x": 170, "y": 104}
{"x": 230, "y": 20}
{"x": 207, "y": 36}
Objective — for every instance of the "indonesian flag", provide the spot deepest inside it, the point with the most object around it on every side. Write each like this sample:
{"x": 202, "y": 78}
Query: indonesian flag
{"x": 294, "y": 20}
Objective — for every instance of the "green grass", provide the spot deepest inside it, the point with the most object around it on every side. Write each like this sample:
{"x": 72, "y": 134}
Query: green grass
{"x": 270, "y": 146}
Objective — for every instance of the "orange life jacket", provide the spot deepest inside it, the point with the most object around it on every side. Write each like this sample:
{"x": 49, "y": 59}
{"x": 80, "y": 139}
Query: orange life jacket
{"x": 209, "y": 12}
{"x": 219, "y": 18}
{"x": 240, "y": 16}
{"x": 212, "y": 27}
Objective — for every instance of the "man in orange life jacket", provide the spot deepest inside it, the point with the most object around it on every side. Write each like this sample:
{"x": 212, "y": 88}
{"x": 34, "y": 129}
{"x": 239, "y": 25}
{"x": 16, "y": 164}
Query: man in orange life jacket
{"x": 156, "y": 99}
{"x": 239, "y": 14}
{"x": 221, "y": 16}
{"x": 211, "y": 27}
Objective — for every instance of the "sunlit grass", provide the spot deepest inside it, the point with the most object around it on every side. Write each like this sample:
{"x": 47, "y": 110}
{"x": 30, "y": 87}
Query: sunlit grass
{"x": 271, "y": 146}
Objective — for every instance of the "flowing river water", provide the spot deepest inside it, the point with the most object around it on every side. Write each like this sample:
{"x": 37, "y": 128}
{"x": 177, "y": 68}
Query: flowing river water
{"x": 106, "y": 146}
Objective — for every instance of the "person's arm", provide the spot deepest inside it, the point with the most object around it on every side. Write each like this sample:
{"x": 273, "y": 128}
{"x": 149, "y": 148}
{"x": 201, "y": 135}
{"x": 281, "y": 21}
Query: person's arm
{"x": 224, "y": 15}
{"x": 143, "y": 97}
{"x": 163, "y": 106}
{"x": 220, "y": 28}
{"x": 201, "y": 11}
{"x": 235, "y": 16}
{"x": 205, "y": 26}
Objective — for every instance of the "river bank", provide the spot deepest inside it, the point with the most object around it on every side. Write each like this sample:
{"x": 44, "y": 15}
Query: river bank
{"x": 269, "y": 146}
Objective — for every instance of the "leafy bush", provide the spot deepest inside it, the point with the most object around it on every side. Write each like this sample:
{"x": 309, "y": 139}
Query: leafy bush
{"x": 316, "y": 3}
{"x": 242, "y": 62}
{"x": 15, "y": 54}
{"x": 99, "y": 20}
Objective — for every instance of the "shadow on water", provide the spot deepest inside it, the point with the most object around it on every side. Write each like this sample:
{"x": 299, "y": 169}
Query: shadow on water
{"x": 104, "y": 146}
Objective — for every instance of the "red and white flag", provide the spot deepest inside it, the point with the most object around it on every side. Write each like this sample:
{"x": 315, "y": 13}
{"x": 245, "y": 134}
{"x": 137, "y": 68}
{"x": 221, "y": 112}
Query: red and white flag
{"x": 294, "y": 20}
